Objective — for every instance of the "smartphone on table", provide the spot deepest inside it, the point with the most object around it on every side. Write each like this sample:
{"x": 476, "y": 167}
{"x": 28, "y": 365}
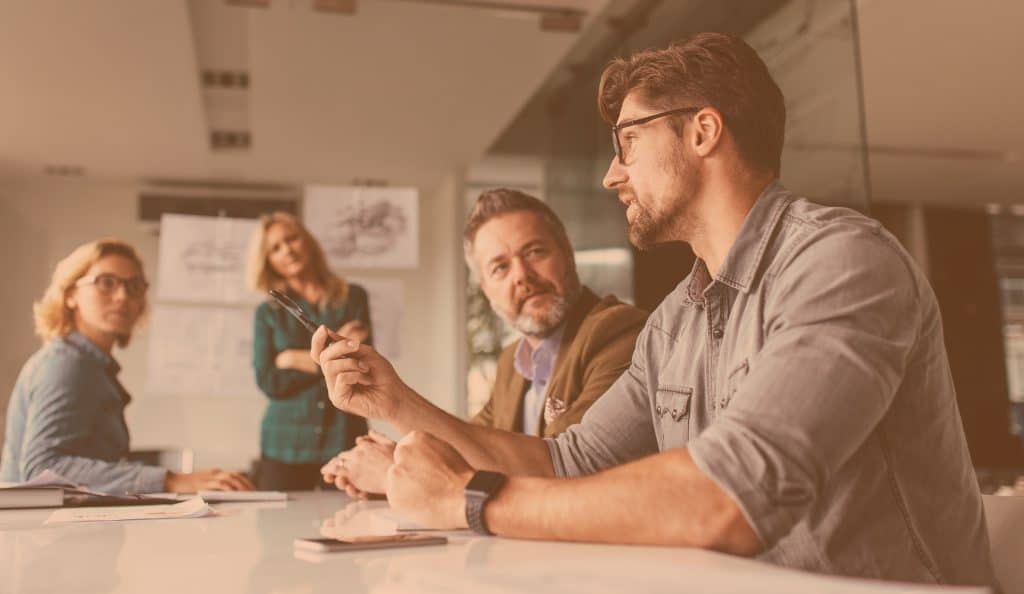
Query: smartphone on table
{"x": 365, "y": 543}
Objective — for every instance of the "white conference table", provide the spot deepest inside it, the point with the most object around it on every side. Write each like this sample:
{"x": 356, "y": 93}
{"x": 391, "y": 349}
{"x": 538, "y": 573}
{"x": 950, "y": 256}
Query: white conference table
{"x": 247, "y": 547}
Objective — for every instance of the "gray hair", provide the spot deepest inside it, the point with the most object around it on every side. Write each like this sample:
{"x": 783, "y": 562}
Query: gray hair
{"x": 501, "y": 201}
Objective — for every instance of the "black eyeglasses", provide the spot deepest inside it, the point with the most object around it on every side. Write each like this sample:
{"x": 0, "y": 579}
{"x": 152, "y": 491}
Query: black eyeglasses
{"x": 617, "y": 143}
{"x": 108, "y": 283}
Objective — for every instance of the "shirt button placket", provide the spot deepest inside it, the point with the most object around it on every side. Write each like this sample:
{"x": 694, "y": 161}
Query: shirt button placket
{"x": 715, "y": 316}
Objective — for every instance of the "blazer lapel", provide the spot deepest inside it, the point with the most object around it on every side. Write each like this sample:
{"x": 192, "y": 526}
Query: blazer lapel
{"x": 508, "y": 406}
{"x": 559, "y": 375}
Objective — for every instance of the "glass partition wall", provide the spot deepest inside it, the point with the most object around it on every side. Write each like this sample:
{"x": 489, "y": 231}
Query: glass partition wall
{"x": 1008, "y": 247}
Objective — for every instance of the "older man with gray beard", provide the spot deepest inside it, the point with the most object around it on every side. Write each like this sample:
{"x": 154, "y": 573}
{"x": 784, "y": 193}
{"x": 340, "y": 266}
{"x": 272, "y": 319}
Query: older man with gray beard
{"x": 574, "y": 345}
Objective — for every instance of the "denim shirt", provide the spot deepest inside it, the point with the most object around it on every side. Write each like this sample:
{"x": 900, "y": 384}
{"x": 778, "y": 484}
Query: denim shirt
{"x": 809, "y": 380}
{"x": 66, "y": 414}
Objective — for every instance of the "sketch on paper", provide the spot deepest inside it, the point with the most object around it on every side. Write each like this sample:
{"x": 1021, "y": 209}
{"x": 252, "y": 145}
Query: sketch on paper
{"x": 364, "y": 227}
{"x": 386, "y": 299}
{"x": 209, "y": 256}
{"x": 368, "y": 228}
{"x": 201, "y": 351}
{"x": 202, "y": 259}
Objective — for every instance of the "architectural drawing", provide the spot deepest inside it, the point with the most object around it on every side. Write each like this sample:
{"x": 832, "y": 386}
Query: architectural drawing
{"x": 364, "y": 227}
{"x": 202, "y": 259}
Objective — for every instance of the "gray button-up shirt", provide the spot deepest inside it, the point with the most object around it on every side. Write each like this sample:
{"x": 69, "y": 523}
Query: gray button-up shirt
{"x": 809, "y": 380}
{"x": 66, "y": 414}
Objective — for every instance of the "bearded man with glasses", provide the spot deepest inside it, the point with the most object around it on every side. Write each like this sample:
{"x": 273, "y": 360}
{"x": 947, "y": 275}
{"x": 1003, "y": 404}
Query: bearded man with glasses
{"x": 791, "y": 399}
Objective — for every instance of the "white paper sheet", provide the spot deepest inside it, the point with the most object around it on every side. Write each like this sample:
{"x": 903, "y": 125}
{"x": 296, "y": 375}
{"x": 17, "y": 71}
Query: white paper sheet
{"x": 193, "y": 508}
{"x": 201, "y": 351}
{"x": 203, "y": 259}
{"x": 364, "y": 227}
{"x": 386, "y": 307}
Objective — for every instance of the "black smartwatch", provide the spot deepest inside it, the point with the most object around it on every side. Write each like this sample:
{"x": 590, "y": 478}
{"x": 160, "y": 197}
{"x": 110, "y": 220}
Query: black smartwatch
{"x": 479, "y": 490}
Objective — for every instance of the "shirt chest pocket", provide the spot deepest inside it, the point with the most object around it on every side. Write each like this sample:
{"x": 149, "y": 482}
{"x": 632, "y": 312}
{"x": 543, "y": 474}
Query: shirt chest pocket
{"x": 733, "y": 381}
{"x": 672, "y": 415}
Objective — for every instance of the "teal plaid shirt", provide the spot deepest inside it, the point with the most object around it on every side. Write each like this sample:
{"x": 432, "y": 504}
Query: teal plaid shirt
{"x": 300, "y": 425}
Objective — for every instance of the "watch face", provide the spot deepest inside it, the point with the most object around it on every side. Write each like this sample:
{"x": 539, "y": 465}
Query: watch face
{"x": 485, "y": 482}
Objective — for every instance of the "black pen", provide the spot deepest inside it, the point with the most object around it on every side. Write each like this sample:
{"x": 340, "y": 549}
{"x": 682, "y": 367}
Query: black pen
{"x": 293, "y": 308}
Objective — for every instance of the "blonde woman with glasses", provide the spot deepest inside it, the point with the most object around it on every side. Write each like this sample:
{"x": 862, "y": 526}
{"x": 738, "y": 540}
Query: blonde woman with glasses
{"x": 301, "y": 430}
{"x": 66, "y": 413}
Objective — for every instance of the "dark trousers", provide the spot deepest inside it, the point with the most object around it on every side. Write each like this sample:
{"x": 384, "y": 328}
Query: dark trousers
{"x": 274, "y": 475}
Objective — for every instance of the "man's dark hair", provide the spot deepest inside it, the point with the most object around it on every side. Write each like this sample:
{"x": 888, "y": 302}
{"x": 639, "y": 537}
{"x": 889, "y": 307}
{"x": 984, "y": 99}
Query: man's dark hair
{"x": 707, "y": 70}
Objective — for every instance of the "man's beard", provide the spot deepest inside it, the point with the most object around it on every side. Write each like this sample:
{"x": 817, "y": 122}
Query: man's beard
{"x": 541, "y": 325}
{"x": 646, "y": 229}
{"x": 649, "y": 228}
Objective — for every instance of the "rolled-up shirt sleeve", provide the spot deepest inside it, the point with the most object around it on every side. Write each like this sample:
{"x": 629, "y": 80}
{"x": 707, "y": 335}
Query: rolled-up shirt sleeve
{"x": 615, "y": 430}
{"x": 841, "y": 319}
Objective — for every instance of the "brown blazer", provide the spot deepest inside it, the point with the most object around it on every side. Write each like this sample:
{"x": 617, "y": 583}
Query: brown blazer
{"x": 596, "y": 349}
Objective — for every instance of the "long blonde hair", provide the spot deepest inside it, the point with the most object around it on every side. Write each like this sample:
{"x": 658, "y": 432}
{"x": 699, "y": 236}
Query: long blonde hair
{"x": 262, "y": 276}
{"x": 53, "y": 317}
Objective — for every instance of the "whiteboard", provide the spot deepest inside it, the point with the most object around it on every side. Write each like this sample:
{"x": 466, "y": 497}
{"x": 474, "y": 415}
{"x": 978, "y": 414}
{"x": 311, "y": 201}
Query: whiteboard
{"x": 203, "y": 351}
{"x": 200, "y": 334}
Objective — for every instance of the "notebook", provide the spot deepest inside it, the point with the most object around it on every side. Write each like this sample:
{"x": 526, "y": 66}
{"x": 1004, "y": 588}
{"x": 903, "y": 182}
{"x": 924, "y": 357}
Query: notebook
{"x": 21, "y": 497}
{"x": 49, "y": 489}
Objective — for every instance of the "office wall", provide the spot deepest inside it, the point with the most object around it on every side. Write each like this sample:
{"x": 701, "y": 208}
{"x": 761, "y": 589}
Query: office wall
{"x": 42, "y": 219}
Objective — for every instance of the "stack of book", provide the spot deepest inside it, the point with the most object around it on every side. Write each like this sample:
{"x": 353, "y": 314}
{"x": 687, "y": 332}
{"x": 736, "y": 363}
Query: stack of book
{"x": 49, "y": 489}
{"x": 22, "y": 497}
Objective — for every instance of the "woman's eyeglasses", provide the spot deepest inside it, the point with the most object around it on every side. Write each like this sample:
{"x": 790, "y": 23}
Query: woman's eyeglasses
{"x": 108, "y": 283}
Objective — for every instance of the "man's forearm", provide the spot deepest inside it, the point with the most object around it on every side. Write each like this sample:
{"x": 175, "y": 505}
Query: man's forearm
{"x": 663, "y": 499}
{"x": 482, "y": 447}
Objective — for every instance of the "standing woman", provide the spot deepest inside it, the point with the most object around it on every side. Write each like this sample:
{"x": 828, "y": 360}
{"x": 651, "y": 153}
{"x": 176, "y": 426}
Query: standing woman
{"x": 66, "y": 413}
{"x": 301, "y": 429}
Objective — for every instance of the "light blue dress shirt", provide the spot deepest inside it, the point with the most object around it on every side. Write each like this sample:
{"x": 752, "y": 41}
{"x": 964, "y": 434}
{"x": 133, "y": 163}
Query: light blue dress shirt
{"x": 537, "y": 365}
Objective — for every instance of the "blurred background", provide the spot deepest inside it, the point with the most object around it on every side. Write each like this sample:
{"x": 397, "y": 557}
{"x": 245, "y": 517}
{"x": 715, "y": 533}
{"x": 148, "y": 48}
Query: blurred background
{"x": 115, "y": 114}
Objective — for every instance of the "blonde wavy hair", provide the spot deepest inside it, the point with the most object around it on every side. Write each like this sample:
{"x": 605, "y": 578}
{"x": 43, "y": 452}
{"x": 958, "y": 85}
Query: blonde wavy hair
{"x": 53, "y": 317}
{"x": 262, "y": 276}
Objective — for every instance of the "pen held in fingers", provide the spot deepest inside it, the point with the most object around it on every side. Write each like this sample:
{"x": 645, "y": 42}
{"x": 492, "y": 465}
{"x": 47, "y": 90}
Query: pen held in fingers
{"x": 296, "y": 311}
{"x": 342, "y": 349}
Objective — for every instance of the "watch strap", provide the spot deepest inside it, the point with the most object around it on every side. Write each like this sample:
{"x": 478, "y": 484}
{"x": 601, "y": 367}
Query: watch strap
{"x": 476, "y": 500}
{"x": 475, "y": 515}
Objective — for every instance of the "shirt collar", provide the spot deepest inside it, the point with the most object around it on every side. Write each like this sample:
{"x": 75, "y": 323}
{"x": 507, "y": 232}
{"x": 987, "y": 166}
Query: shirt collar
{"x": 527, "y": 359}
{"x": 94, "y": 352}
{"x": 743, "y": 261}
